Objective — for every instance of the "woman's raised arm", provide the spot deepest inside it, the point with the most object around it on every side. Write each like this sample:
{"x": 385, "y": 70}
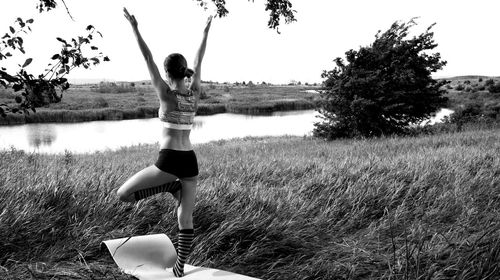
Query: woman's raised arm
{"x": 156, "y": 78}
{"x": 199, "y": 57}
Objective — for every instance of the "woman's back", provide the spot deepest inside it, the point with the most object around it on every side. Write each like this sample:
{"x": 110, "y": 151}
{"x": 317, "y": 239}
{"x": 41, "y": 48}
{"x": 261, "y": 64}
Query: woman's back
{"x": 177, "y": 116}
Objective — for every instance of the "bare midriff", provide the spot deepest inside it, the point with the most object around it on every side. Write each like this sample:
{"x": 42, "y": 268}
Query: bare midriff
{"x": 175, "y": 139}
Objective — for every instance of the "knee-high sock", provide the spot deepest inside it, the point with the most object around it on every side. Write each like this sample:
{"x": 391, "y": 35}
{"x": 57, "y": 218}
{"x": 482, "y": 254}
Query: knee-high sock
{"x": 185, "y": 240}
{"x": 171, "y": 187}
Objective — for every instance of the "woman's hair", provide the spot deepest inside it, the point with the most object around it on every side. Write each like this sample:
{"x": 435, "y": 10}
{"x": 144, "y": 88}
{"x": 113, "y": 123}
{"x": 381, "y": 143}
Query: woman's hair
{"x": 176, "y": 65}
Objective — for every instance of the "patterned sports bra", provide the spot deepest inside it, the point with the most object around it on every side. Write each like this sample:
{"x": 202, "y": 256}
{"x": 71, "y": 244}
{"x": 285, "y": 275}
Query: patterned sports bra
{"x": 182, "y": 117}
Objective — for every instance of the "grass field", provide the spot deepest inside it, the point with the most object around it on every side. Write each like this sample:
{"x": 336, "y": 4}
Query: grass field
{"x": 86, "y": 103}
{"x": 274, "y": 208}
{"x": 470, "y": 89}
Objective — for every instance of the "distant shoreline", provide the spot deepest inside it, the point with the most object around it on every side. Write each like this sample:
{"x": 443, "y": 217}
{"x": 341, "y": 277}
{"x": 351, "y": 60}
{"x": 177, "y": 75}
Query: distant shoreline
{"x": 97, "y": 102}
{"x": 109, "y": 114}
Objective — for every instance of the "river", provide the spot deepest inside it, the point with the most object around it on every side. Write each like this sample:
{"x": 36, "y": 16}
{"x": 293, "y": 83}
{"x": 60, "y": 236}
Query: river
{"x": 103, "y": 135}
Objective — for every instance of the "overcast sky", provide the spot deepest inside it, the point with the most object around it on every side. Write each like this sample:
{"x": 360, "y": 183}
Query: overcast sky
{"x": 242, "y": 48}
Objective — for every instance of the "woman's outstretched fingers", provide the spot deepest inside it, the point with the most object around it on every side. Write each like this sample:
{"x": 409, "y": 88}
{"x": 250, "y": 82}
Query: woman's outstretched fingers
{"x": 209, "y": 22}
{"x": 127, "y": 15}
{"x": 130, "y": 18}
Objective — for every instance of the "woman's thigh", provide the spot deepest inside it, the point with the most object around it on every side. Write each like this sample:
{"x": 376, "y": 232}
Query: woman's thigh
{"x": 150, "y": 176}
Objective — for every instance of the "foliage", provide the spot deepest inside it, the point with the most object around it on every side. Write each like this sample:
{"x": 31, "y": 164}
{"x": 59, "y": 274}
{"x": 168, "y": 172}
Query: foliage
{"x": 489, "y": 82}
{"x": 40, "y": 90}
{"x": 476, "y": 112}
{"x": 277, "y": 9}
{"x": 494, "y": 88}
{"x": 383, "y": 88}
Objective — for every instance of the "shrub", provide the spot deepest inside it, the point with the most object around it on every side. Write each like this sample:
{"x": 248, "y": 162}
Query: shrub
{"x": 382, "y": 88}
{"x": 480, "y": 80}
{"x": 459, "y": 87}
{"x": 494, "y": 88}
{"x": 101, "y": 102}
{"x": 489, "y": 82}
{"x": 226, "y": 88}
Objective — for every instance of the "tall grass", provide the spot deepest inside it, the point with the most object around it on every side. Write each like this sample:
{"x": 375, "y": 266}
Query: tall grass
{"x": 274, "y": 208}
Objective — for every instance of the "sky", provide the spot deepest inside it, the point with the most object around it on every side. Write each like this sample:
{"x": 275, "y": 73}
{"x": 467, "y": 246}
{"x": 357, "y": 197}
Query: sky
{"x": 242, "y": 48}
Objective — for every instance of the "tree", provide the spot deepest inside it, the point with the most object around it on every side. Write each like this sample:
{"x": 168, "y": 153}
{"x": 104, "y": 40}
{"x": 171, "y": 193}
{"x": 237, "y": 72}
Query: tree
{"x": 383, "y": 88}
{"x": 277, "y": 9}
{"x": 42, "y": 89}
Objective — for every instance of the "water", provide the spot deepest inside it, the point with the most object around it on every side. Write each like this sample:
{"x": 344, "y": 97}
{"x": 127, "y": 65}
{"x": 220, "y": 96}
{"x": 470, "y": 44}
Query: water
{"x": 104, "y": 135}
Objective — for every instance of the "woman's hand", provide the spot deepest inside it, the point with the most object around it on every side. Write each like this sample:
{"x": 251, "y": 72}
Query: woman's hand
{"x": 130, "y": 18}
{"x": 209, "y": 22}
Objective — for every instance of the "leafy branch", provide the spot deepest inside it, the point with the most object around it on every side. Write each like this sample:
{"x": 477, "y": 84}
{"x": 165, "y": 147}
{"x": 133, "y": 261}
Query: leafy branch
{"x": 277, "y": 9}
{"x": 42, "y": 90}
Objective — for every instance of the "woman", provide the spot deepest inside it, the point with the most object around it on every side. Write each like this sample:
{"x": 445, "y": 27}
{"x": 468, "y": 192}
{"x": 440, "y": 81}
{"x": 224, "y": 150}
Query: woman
{"x": 176, "y": 170}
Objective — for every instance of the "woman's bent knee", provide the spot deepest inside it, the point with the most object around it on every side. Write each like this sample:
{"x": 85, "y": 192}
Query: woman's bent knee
{"x": 124, "y": 196}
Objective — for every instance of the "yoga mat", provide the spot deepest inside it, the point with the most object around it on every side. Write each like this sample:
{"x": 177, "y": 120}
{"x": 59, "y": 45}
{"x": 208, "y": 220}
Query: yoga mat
{"x": 151, "y": 257}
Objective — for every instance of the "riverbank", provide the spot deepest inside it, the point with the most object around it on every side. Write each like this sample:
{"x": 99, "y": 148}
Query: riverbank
{"x": 402, "y": 208}
{"x": 84, "y": 103}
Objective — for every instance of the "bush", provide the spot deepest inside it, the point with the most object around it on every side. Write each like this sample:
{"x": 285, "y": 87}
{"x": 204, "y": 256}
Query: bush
{"x": 383, "y": 88}
{"x": 489, "y": 82}
{"x": 459, "y": 87}
{"x": 101, "y": 102}
{"x": 226, "y": 88}
{"x": 494, "y": 88}
{"x": 480, "y": 80}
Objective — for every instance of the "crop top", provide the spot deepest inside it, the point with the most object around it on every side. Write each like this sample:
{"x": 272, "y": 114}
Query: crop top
{"x": 182, "y": 117}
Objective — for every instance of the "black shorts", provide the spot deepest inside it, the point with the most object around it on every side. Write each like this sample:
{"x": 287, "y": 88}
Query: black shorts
{"x": 182, "y": 164}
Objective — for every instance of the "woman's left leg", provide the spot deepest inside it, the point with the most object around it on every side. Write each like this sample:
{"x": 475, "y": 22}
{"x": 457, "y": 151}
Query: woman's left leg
{"x": 147, "y": 182}
{"x": 185, "y": 219}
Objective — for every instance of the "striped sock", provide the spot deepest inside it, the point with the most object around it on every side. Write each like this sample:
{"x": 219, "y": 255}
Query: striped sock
{"x": 185, "y": 240}
{"x": 171, "y": 187}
